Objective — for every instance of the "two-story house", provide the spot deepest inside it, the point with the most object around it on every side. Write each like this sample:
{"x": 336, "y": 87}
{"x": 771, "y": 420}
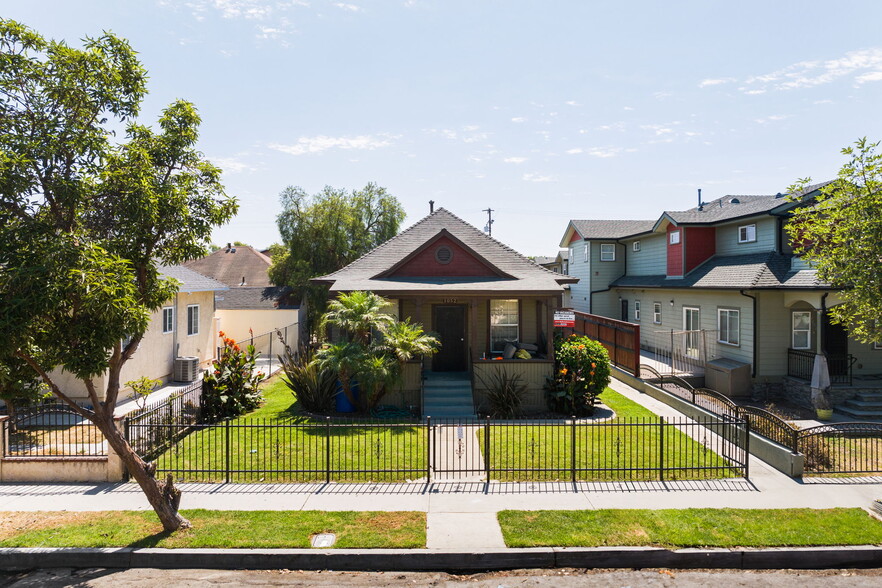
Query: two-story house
{"x": 718, "y": 281}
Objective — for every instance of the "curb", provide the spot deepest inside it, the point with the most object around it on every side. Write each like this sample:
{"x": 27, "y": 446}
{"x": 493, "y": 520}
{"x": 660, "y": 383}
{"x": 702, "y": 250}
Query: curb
{"x": 862, "y": 556}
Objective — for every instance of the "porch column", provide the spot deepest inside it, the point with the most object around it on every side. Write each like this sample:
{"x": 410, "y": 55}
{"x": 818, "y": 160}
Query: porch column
{"x": 819, "y": 336}
{"x": 549, "y": 326}
{"x": 473, "y": 329}
{"x": 418, "y": 312}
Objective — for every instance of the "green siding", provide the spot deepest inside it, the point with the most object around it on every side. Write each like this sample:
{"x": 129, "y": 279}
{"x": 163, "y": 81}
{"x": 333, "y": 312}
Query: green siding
{"x": 651, "y": 260}
{"x": 727, "y": 237}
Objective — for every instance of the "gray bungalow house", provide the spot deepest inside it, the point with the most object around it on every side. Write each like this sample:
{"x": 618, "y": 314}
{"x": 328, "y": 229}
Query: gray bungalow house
{"x": 477, "y": 295}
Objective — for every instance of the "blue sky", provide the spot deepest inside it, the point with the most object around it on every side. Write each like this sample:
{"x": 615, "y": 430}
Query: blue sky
{"x": 543, "y": 111}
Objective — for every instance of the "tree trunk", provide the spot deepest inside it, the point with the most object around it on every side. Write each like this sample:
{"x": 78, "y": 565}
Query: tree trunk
{"x": 164, "y": 497}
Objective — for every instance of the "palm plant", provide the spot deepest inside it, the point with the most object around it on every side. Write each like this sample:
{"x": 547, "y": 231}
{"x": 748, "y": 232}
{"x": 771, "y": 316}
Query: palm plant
{"x": 377, "y": 372}
{"x": 358, "y": 313}
{"x": 346, "y": 360}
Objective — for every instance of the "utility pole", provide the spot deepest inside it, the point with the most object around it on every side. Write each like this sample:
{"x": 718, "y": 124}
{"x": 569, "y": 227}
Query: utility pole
{"x": 488, "y": 228}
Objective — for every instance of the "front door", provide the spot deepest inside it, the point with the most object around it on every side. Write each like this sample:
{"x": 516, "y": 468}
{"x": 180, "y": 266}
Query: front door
{"x": 449, "y": 323}
{"x": 625, "y": 310}
{"x": 835, "y": 340}
{"x": 692, "y": 326}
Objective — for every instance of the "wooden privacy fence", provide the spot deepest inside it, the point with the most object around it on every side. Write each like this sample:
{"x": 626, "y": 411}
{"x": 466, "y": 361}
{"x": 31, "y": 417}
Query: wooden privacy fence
{"x": 621, "y": 339}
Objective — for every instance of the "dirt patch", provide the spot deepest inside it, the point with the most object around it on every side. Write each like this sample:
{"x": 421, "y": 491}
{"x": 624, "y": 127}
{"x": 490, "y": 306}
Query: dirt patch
{"x": 386, "y": 521}
{"x": 15, "y": 523}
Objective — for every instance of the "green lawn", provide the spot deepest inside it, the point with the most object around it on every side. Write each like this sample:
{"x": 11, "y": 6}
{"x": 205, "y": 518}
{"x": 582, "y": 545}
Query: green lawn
{"x": 213, "y": 529}
{"x": 274, "y": 442}
{"x": 604, "y": 451}
{"x": 690, "y": 528}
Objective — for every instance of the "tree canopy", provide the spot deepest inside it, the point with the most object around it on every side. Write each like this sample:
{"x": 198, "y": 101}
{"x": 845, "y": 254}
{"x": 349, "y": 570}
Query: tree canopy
{"x": 840, "y": 234}
{"x": 86, "y": 221}
{"x": 326, "y": 231}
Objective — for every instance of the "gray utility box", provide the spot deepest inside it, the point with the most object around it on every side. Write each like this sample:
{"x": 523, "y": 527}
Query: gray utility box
{"x": 728, "y": 376}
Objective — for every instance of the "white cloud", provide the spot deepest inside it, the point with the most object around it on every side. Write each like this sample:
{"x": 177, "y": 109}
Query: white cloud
{"x": 515, "y": 159}
{"x": 864, "y": 64}
{"x": 470, "y": 128}
{"x": 627, "y": 108}
{"x": 234, "y": 164}
{"x": 537, "y": 178}
{"x": 347, "y": 7}
{"x": 772, "y": 118}
{"x": 604, "y": 152}
{"x": 572, "y": 103}
{"x": 306, "y": 145}
{"x": 574, "y": 151}
{"x": 715, "y": 82}
{"x": 518, "y": 119}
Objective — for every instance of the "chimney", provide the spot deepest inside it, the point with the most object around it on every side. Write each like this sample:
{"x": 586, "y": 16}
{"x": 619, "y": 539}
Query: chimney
{"x": 229, "y": 247}
{"x": 243, "y": 281}
{"x": 700, "y": 206}
{"x": 431, "y": 206}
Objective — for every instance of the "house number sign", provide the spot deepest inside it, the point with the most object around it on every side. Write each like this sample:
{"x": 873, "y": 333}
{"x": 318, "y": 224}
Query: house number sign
{"x": 449, "y": 300}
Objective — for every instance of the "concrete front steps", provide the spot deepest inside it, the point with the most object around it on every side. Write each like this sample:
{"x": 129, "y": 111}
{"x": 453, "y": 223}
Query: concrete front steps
{"x": 865, "y": 405}
{"x": 448, "y": 395}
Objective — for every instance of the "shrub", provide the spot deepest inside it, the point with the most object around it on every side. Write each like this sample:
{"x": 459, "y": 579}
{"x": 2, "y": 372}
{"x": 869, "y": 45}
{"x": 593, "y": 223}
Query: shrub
{"x": 313, "y": 386}
{"x": 142, "y": 388}
{"x": 230, "y": 388}
{"x": 505, "y": 393}
{"x": 581, "y": 373}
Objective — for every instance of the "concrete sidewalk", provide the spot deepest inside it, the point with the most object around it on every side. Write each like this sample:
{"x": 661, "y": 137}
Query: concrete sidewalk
{"x": 461, "y": 514}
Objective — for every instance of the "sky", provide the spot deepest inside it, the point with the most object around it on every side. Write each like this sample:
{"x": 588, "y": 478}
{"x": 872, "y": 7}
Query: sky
{"x": 542, "y": 111}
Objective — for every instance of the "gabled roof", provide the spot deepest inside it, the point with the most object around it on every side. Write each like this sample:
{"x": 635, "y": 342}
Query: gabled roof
{"x": 191, "y": 281}
{"x": 233, "y": 265}
{"x": 269, "y": 298}
{"x": 740, "y": 272}
{"x": 514, "y": 272}
{"x": 733, "y": 207}
{"x": 605, "y": 229}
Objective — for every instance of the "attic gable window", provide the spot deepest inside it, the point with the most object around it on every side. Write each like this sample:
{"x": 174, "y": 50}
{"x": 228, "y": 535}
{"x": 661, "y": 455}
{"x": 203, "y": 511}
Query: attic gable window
{"x": 635, "y": 246}
{"x": 674, "y": 237}
{"x": 747, "y": 234}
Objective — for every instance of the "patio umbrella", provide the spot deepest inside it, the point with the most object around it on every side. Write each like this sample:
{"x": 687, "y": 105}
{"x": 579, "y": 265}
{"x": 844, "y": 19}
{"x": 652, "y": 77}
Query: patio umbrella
{"x": 820, "y": 382}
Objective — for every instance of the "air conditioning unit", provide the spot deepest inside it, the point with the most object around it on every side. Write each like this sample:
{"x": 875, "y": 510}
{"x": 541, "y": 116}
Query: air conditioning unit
{"x": 186, "y": 369}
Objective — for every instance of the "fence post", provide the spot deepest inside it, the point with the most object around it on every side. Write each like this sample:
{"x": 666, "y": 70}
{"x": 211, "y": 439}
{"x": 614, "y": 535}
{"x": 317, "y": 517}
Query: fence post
{"x": 327, "y": 450}
{"x": 270, "y": 356}
{"x": 573, "y": 450}
{"x": 487, "y": 449}
{"x": 428, "y": 450}
{"x": 227, "y": 451}
{"x": 746, "y": 449}
{"x": 661, "y": 449}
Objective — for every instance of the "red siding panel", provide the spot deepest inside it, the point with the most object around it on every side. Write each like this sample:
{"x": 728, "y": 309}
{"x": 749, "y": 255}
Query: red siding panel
{"x": 700, "y": 244}
{"x": 576, "y": 237}
{"x": 675, "y": 253}
{"x": 462, "y": 264}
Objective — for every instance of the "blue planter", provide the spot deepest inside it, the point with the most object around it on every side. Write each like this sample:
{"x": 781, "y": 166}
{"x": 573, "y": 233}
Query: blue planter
{"x": 342, "y": 402}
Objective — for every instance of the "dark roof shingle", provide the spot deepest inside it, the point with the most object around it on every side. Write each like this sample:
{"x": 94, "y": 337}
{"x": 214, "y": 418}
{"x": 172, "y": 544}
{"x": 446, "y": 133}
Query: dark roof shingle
{"x": 611, "y": 229}
{"x": 233, "y": 265}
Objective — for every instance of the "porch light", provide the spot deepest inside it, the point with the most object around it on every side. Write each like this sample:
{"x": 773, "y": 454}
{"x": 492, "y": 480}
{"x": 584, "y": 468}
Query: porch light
{"x": 672, "y": 302}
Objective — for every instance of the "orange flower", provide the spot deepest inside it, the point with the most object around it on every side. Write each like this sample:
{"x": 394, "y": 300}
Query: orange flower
{"x": 563, "y": 371}
{"x": 593, "y": 365}
{"x": 221, "y": 333}
{"x": 581, "y": 347}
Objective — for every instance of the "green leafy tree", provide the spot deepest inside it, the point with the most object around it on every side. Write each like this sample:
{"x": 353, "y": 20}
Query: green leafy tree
{"x": 85, "y": 222}
{"x": 19, "y": 385}
{"x": 326, "y": 231}
{"x": 840, "y": 234}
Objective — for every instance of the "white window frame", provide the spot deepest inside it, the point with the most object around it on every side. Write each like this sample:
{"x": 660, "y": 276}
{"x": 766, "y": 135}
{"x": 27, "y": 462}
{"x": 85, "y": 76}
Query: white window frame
{"x": 605, "y": 250}
{"x": 515, "y": 324}
{"x": 586, "y": 252}
{"x": 656, "y": 313}
{"x": 728, "y": 340}
{"x": 635, "y": 246}
{"x": 192, "y": 329}
{"x": 674, "y": 237}
{"x": 636, "y": 311}
{"x": 168, "y": 326}
{"x": 794, "y": 330}
{"x": 572, "y": 253}
{"x": 748, "y": 238}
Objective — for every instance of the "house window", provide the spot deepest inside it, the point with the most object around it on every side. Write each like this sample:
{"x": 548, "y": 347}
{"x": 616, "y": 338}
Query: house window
{"x": 193, "y": 319}
{"x": 607, "y": 252}
{"x": 586, "y": 252}
{"x": 656, "y": 312}
{"x": 503, "y": 323}
{"x": 572, "y": 253}
{"x": 729, "y": 326}
{"x": 635, "y": 246}
{"x": 802, "y": 329}
{"x": 747, "y": 234}
{"x": 636, "y": 310}
{"x": 674, "y": 237}
{"x": 168, "y": 319}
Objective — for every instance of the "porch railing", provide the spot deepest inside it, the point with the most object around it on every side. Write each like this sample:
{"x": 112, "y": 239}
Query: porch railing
{"x": 800, "y": 364}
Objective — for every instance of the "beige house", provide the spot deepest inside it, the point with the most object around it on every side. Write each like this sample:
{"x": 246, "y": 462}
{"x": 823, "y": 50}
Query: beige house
{"x": 185, "y": 326}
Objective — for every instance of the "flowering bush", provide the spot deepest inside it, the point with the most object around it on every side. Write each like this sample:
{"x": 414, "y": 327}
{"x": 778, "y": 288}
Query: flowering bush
{"x": 230, "y": 387}
{"x": 581, "y": 374}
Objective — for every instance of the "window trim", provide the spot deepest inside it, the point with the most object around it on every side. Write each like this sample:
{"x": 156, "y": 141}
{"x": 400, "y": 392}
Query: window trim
{"x": 720, "y": 339}
{"x": 613, "y": 246}
{"x": 674, "y": 237}
{"x": 656, "y": 313}
{"x": 586, "y": 252}
{"x": 636, "y": 311}
{"x": 189, "y": 320}
{"x": 747, "y": 240}
{"x": 635, "y": 246}
{"x": 793, "y": 330}
{"x": 517, "y": 302}
{"x": 171, "y": 328}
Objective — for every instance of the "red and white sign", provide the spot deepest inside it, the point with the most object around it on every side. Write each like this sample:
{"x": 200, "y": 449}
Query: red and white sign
{"x": 564, "y": 318}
